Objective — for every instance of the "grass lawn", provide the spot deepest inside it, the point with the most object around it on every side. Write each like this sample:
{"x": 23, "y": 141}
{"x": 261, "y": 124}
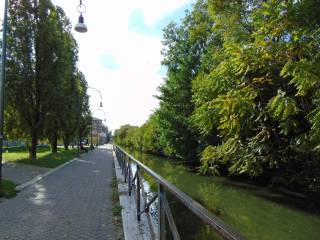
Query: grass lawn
{"x": 45, "y": 158}
{"x": 8, "y": 189}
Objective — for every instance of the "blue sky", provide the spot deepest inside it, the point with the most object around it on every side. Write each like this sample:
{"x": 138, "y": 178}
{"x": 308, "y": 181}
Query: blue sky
{"x": 109, "y": 61}
{"x": 137, "y": 21}
{"x": 138, "y": 24}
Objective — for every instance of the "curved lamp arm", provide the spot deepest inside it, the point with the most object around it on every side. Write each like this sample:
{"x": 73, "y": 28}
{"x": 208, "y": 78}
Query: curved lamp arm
{"x": 99, "y": 95}
{"x": 100, "y": 111}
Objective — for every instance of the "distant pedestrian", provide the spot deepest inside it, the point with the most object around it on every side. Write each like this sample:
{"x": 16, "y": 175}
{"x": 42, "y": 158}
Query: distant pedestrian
{"x": 82, "y": 148}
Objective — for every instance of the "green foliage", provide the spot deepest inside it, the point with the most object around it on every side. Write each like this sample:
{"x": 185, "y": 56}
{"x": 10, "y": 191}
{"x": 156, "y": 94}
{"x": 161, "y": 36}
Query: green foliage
{"x": 242, "y": 91}
{"x": 7, "y": 189}
{"x": 45, "y": 95}
{"x": 150, "y": 135}
{"x": 45, "y": 157}
{"x": 116, "y": 210}
{"x": 125, "y": 136}
{"x": 183, "y": 46}
{"x": 277, "y": 58}
{"x": 144, "y": 138}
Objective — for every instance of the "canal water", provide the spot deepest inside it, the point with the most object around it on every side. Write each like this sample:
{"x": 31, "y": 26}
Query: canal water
{"x": 253, "y": 211}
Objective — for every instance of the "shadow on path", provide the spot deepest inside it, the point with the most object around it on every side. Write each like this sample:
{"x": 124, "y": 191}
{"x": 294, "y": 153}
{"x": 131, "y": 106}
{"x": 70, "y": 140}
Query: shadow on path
{"x": 71, "y": 203}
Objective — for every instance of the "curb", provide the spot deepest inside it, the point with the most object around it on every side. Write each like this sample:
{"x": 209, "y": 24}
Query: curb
{"x": 132, "y": 229}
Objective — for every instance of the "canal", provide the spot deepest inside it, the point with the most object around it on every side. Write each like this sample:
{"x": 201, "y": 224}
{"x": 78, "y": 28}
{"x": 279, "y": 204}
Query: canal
{"x": 253, "y": 211}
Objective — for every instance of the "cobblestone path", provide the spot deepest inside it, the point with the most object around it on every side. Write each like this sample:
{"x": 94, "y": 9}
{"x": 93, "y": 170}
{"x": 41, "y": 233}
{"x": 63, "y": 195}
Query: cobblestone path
{"x": 71, "y": 203}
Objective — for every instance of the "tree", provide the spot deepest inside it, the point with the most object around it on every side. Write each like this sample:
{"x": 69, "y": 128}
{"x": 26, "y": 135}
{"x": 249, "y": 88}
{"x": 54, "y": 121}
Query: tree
{"x": 242, "y": 91}
{"x": 257, "y": 97}
{"x": 41, "y": 79}
{"x": 84, "y": 118}
{"x": 25, "y": 83}
{"x": 125, "y": 136}
{"x": 60, "y": 119}
{"x": 182, "y": 59}
{"x": 150, "y": 135}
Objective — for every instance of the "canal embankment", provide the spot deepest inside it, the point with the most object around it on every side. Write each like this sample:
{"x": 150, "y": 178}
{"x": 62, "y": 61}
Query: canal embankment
{"x": 255, "y": 212}
{"x": 132, "y": 229}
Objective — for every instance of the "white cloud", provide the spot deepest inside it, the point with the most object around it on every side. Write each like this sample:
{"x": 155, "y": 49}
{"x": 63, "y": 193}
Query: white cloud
{"x": 128, "y": 90}
{"x": 156, "y": 9}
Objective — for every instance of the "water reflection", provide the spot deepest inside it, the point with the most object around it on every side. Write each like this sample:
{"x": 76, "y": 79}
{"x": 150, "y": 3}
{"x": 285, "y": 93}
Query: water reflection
{"x": 253, "y": 216}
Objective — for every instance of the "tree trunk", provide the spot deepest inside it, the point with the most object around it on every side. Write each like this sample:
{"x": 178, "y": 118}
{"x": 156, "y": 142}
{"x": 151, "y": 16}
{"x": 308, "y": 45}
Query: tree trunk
{"x": 66, "y": 143}
{"x": 54, "y": 143}
{"x": 33, "y": 147}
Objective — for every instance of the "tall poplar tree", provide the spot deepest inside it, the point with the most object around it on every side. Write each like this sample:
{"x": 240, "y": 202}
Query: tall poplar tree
{"x": 63, "y": 48}
{"x": 41, "y": 72}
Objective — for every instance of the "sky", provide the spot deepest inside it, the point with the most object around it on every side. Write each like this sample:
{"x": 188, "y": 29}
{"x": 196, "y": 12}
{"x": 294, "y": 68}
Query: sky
{"x": 120, "y": 54}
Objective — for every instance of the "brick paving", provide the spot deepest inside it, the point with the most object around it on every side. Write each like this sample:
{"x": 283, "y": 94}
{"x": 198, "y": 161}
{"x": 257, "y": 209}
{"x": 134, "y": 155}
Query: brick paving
{"x": 21, "y": 173}
{"x": 71, "y": 203}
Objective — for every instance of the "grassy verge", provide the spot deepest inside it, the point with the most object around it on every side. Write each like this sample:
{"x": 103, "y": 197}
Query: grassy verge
{"x": 8, "y": 189}
{"x": 45, "y": 158}
{"x": 116, "y": 209}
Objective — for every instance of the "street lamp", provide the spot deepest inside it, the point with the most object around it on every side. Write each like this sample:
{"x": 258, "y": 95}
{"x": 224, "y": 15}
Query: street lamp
{"x": 101, "y": 110}
{"x": 2, "y": 81}
{"x": 80, "y": 26}
{"x": 100, "y": 105}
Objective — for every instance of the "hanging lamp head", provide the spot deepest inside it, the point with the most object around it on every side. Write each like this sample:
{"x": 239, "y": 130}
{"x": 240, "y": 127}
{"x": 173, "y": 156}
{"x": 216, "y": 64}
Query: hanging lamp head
{"x": 80, "y": 26}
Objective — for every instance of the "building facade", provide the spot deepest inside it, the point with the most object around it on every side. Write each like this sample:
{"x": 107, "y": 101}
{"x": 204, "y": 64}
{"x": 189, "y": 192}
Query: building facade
{"x": 98, "y": 136}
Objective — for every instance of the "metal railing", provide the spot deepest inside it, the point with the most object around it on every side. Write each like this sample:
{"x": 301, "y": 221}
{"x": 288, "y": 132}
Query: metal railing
{"x": 134, "y": 180}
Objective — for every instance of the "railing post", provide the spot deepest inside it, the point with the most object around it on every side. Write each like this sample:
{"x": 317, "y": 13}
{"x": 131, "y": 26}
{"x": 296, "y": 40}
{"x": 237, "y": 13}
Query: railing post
{"x": 174, "y": 230}
{"x": 161, "y": 214}
{"x": 129, "y": 178}
{"x": 124, "y": 163}
{"x": 121, "y": 163}
{"x": 138, "y": 192}
{"x": 118, "y": 155}
{"x": 120, "y": 158}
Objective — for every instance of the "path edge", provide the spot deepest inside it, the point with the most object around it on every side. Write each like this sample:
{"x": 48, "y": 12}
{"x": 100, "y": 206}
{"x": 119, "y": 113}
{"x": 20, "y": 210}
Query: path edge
{"x": 133, "y": 230}
{"x": 41, "y": 176}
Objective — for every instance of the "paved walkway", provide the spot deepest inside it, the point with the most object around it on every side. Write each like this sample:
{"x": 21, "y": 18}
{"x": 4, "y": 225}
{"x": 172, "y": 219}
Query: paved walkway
{"x": 71, "y": 203}
{"x": 21, "y": 173}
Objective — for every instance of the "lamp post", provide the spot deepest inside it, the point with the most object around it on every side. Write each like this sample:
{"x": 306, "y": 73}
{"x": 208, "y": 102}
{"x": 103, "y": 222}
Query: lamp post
{"x": 100, "y": 106}
{"x": 2, "y": 81}
{"x": 91, "y": 145}
{"x": 81, "y": 28}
